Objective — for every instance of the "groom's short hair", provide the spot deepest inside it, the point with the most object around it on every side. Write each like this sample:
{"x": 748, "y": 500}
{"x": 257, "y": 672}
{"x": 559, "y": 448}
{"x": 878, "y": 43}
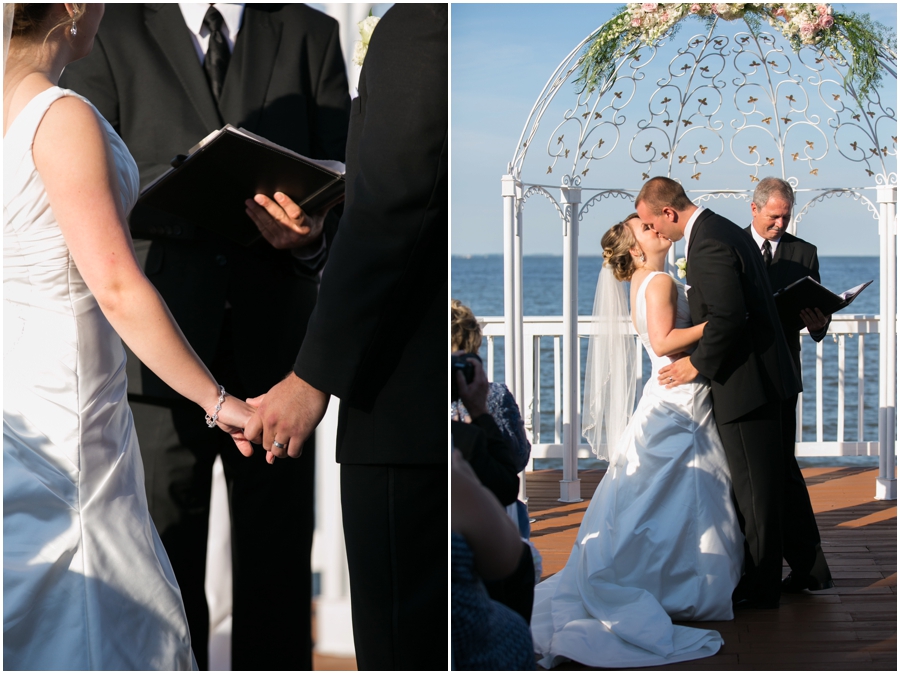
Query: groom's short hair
{"x": 659, "y": 192}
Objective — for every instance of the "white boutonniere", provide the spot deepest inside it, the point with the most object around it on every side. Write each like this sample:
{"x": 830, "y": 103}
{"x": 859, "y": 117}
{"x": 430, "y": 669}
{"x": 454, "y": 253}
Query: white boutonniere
{"x": 366, "y": 28}
{"x": 681, "y": 266}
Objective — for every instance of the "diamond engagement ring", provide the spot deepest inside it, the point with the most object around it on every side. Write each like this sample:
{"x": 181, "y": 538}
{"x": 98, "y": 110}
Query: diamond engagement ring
{"x": 670, "y": 379}
{"x": 275, "y": 443}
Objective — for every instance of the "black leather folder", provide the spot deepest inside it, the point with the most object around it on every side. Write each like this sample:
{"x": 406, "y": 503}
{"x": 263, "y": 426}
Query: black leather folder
{"x": 808, "y": 294}
{"x": 208, "y": 186}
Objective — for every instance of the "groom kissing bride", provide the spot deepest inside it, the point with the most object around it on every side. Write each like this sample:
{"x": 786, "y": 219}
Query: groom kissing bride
{"x": 744, "y": 354}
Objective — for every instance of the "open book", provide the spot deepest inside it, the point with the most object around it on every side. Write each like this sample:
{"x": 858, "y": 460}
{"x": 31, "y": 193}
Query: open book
{"x": 209, "y": 185}
{"x": 808, "y": 294}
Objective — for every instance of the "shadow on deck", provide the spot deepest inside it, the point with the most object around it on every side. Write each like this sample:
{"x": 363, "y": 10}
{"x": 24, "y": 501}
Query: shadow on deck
{"x": 850, "y": 627}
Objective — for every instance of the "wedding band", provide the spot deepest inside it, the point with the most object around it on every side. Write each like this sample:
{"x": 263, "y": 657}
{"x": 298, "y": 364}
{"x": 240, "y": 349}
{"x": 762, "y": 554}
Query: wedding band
{"x": 670, "y": 379}
{"x": 275, "y": 443}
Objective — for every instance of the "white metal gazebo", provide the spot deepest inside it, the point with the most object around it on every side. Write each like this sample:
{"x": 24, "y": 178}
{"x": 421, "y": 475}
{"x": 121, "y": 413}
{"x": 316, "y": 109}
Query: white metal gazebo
{"x": 732, "y": 104}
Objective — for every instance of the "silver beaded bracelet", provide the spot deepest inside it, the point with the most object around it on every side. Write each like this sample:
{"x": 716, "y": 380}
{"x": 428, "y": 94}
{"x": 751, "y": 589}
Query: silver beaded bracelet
{"x": 211, "y": 420}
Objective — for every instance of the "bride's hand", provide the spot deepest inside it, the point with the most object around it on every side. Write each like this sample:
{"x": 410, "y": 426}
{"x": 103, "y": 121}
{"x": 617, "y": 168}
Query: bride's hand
{"x": 232, "y": 419}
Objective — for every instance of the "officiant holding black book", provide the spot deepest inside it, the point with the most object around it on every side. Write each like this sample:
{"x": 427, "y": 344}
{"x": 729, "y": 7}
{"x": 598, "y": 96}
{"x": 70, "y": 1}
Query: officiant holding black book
{"x": 789, "y": 259}
{"x": 165, "y": 76}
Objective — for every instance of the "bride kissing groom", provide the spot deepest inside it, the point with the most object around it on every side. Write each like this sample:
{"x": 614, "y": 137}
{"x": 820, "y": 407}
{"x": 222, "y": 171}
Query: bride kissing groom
{"x": 698, "y": 464}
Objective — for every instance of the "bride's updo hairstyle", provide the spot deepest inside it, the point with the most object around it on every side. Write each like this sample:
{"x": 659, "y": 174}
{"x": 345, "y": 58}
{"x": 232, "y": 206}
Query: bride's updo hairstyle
{"x": 465, "y": 333}
{"x": 617, "y": 244}
{"x": 30, "y": 19}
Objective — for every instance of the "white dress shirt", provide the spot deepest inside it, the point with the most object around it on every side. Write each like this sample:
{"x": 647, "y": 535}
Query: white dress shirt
{"x": 193, "y": 13}
{"x": 688, "y": 227}
{"x": 760, "y": 242}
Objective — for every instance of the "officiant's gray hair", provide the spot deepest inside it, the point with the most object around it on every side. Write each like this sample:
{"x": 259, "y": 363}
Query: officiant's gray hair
{"x": 772, "y": 185}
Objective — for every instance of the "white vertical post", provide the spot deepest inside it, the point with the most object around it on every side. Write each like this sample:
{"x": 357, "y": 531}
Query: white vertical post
{"x": 518, "y": 314}
{"x": 886, "y": 483}
{"x": 509, "y": 289}
{"x": 570, "y": 485}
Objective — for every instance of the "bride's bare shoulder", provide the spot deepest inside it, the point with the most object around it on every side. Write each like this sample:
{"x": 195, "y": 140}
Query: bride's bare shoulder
{"x": 70, "y": 128}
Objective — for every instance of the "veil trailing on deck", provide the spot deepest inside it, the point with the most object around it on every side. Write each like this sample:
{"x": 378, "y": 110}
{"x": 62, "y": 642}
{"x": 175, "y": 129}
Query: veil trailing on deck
{"x": 610, "y": 371}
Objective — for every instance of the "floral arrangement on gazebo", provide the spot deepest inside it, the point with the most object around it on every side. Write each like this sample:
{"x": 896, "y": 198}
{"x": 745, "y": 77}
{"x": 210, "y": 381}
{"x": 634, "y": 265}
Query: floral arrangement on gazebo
{"x": 850, "y": 39}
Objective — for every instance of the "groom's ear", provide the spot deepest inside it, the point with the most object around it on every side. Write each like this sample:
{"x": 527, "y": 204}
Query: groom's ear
{"x": 670, "y": 213}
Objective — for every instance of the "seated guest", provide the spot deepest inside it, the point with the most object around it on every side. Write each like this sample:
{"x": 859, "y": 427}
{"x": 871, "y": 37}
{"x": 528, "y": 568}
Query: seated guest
{"x": 489, "y": 456}
{"x": 485, "y": 634}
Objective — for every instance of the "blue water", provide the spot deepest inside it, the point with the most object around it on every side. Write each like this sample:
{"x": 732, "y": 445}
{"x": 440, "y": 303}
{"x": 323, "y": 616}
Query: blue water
{"x": 478, "y": 282}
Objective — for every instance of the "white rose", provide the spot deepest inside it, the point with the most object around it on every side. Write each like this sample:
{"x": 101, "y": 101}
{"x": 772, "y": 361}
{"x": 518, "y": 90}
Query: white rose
{"x": 366, "y": 28}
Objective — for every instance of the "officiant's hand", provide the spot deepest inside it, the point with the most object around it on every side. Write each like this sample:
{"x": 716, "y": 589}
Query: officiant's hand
{"x": 288, "y": 414}
{"x": 681, "y": 371}
{"x": 814, "y": 319}
{"x": 283, "y": 223}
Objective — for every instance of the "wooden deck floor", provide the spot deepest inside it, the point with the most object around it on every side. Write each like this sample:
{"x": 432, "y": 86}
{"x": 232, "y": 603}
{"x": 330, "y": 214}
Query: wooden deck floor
{"x": 850, "y": 627}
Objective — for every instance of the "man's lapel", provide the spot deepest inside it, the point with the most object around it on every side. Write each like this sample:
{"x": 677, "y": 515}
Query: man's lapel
{"x": 166, "y": 24}
{"x": 251, "y": 67}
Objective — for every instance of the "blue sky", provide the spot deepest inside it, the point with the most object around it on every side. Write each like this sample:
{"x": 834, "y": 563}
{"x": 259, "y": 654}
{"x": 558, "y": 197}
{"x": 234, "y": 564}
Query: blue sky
{"x": 502, "y": 56}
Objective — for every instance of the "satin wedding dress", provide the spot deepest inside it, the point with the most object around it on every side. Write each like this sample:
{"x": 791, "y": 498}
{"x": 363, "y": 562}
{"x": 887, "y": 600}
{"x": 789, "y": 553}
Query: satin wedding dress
{"x": 86, "y": 581}
{"x": 659, "y": 541}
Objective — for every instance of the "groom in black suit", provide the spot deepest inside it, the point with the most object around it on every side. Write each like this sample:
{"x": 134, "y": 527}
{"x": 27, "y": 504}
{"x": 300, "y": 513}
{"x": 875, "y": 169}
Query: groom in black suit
{"x": 746, "y": 358}
{"x": 788, "y": 259}
{"x": 378, "y": 341}
{"x": 165, "y": 76}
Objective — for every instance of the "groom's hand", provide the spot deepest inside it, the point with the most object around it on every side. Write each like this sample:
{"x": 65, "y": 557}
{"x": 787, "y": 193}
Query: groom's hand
{"x": 283, "y": 223}
{"x": 678, "y": 372}
{"x": 287, "y": 414}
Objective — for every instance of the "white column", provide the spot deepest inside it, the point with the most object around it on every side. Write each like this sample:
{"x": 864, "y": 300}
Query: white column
{"x": 509, "y": 284}
{"x": 570, "y": 485}
{"x": 334, "y": 632}
{"x": 519, "y": 309}
{"x": 886, "y": 483}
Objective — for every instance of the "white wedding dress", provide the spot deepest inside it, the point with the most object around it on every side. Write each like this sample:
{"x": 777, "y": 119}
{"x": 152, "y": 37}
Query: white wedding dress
{"x": 86, "y": 581}
{"x": 660, "y": 538}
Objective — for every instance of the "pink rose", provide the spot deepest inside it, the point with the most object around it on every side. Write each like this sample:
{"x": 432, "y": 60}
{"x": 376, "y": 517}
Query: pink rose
{"x": 781, "y": 12}
{"x": 649, "y": 6}
{"x": 807, "y": 28}
{"x": 823, "y": 10}
{"x": 695, "y": 9}
{"x": 826, "y": 21}
{"x": 636, "y": 22}
{"x": 664, "y": 17}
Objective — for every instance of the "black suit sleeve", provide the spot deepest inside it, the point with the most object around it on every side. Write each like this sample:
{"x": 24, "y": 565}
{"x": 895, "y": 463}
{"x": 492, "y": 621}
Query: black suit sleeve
{"x": 395, "y": 217}
{"x": 486, "y": 450}
{"x": 716, "y": 268}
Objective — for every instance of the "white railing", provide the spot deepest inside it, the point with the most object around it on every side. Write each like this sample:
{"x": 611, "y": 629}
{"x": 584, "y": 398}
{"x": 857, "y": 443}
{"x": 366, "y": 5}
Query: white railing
{"x": 844, "y": 328}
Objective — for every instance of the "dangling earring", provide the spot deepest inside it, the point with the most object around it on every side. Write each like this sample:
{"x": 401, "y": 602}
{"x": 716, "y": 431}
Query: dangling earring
{"x": 643, "y": 258}
{"x": 74, "y": 29}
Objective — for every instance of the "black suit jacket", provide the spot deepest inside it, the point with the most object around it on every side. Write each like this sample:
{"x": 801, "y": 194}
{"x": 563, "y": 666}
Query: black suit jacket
{"x": 286, "y": 81}
{"x": 378, "y": 336}
{"x": 743, "y": 351}
{"x": 794, "y": 258}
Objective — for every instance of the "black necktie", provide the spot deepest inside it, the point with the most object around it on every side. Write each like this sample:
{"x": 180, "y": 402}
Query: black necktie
{"x": 767, "y": 252}
{"x": 217, "y": 54}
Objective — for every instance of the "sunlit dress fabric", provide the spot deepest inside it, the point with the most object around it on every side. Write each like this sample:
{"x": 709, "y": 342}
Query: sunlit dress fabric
{"x": 659, "y": 541}
{"x": 86, "y": 581}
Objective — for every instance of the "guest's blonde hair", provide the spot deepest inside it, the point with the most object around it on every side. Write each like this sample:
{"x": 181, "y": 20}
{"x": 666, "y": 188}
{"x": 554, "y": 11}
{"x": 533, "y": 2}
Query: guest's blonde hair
{"x": 465, "y": 333}
{"x": 617, "y": 245}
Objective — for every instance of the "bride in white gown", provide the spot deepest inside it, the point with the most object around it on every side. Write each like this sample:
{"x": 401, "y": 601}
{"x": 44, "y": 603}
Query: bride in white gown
{"x": 86, "y": 581}
{"x": 660, "y": 539}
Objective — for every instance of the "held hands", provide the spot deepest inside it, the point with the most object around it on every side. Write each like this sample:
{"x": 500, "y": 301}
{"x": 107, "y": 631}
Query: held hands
{"x": 814, "y": 319}
{"x": 285, "y": 417}
{"x": 283, "y": 223}
{"x": 678, "y": 372}
{"x": 233, "y": 418}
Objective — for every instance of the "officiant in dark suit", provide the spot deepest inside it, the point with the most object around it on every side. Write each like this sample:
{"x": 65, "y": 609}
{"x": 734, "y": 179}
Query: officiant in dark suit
{"x": 788, "y": 259}
{"x": 378, "y": 341}
{"x": 165, "y": 76}
{"x": 744, "y": 354}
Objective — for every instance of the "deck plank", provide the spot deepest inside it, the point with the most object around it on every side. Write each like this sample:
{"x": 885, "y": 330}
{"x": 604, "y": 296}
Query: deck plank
{"x": 850, "y": 627}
